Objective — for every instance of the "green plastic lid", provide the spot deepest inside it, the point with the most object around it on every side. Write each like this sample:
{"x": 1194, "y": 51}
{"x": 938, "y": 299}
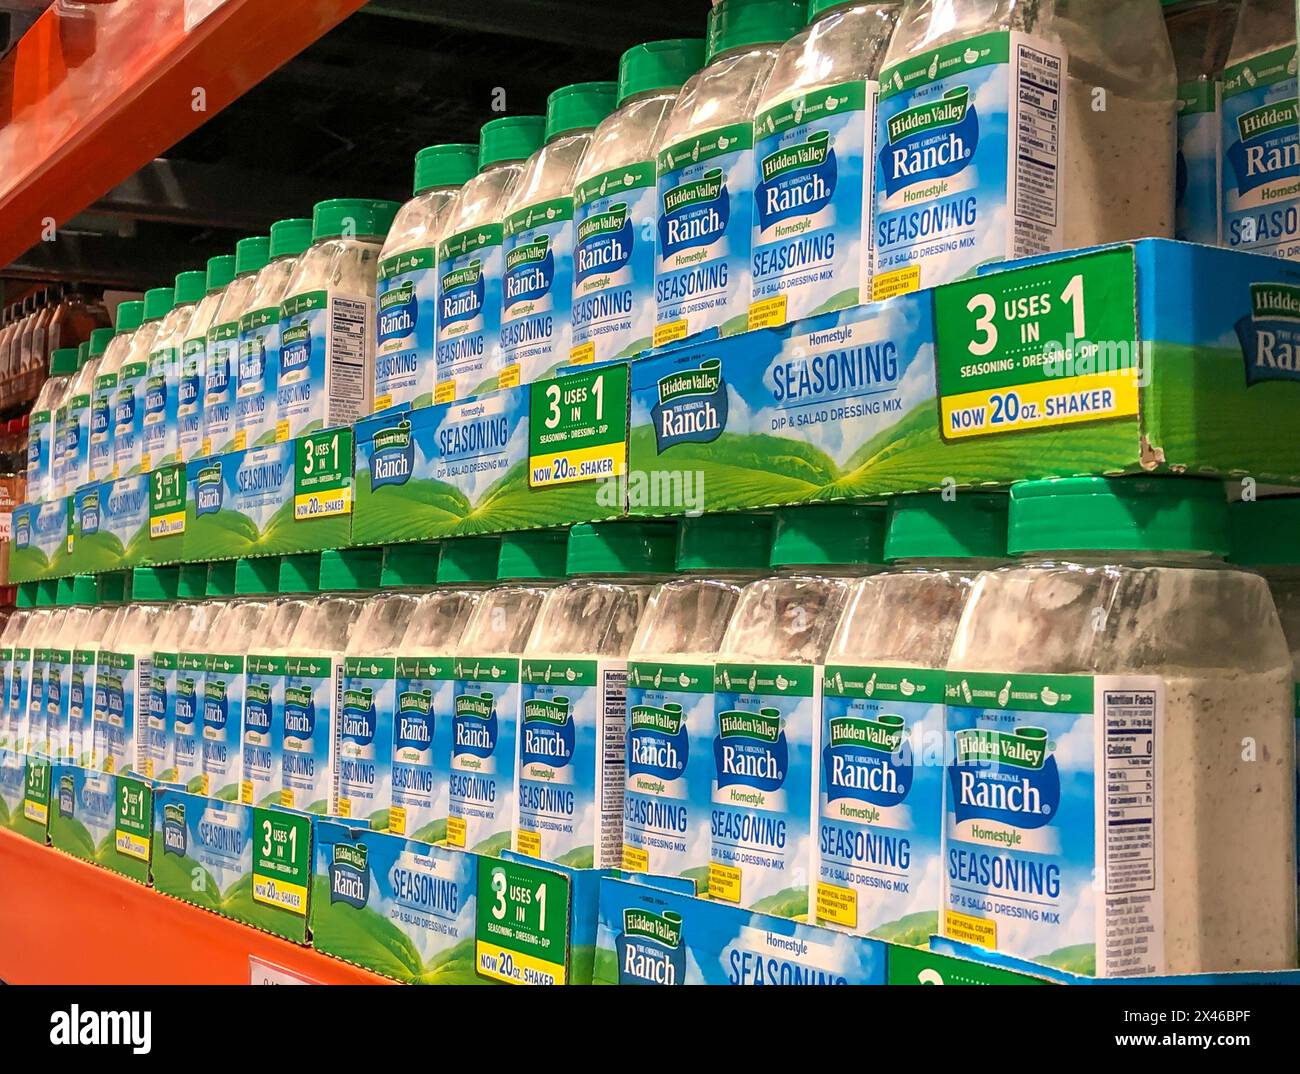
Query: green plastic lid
{"x": 158, "y": 302}
{"x": 739, "y": 542}
{"x": 154, "y": 583}
{"x": 300, "y": 573}
{"x": 221, "y": 578}
{"x": 83, "y": 353}
{"x": 746, "y": 23}
{"x": 818, "y": 8}
{"x": 112, "y": 587}
{"x": 533, "y": 554}
{"x": 578, "y": 107}
{"x": 1265, "y": 532}
{"x": 350, "y": 569}
{"x": 190, "y": 287}
{"x": 130, "y": 315}
{"x": 290, "y": 237}
{"x": 47, "y": 592}
{"x": 99, "y": 340}
{"x": 469, "y": 559}
{"x": 409, "y": 565}
{"x": 509, "y": 138}
{"x": 85, "y": 590}
{"x": 622, "y": 548}
{"x": 1119, "y": 514}
{"x": 820, "y": 535}
{"x": 454, "y": 164}
{"x": 221, "y": 270}
{"x": 252, "y": 254}
{"x": 257, "y": 576}
{"x": 971, "y": 525}
{"x": 353, "y": 217}
{"x": 63, "y": 597}
{"x": 63, "y": 360}
{"x": 658, "y": 65}
{"x": 193, "y": 582}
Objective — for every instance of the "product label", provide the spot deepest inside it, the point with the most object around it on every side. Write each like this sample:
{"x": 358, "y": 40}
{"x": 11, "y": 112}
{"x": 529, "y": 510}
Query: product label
{"x": 484, "y": 731}
{"x": 468, "y": 350}
{"x": 189, "y": 398}
{"x": 74, "y": 444}
{"x": 522, "y": 928}
{"x": 167, "y": 488}
{"x": 706, "y": 189}
{"x": 40, "y": 456}
{"x": 1261, "y": 155}
{"x": 365, "y": 751}
{"x": 223, "y": 725}
{"x": 668, "y": 801}
{"x": 37, "y": 727}
{"x": 812, "y": 237}
{"x": 100, "y": 455}
{"x": 128, "y": 412}
{"x": 406, "y": 304}
{"x": 323, "y": 374}
{"x": 536, "y": 292}
{"x": 1052, "y": 829}
{"x": 58, "y": 697}
{"x": 219, "y": 389}
{"x": 122, "y": 680}
{"x": 20, "y": 687}
{"x": 614, "y": 220}
{"x": 422, "y": 745}
{"x": 257, "y": 372}
{"x": 178, "y": 696}
{"x": 969, "y": 141}
{"x": 577, "y": 429}
{"x": 312, "y": 689}
{"x": 767, "y": 718}
{"x": 880, "y": 788}
{"x": 81, "y": 692}
{"x": 1200, "y": 155}
{"x": 159, "y": 443}
{"x": 260, "y": 782}
{"x": 572, "y": 746}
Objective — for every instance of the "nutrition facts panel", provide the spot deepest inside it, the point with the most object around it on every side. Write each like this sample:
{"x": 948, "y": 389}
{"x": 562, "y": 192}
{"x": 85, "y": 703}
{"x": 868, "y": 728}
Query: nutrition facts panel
{"x": 1129, "y": 722}
{"x": 347, "y": 359}
{"x": 613, "y": 753}
{"x": 1036, "y": 115}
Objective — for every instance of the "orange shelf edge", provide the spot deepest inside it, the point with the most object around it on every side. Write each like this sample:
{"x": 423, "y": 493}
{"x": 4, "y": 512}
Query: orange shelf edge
{"x": 65, "y": 921}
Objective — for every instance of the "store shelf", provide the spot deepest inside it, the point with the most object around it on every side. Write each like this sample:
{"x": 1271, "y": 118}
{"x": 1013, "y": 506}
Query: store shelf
{"x": 68, "y": 922}
{"x": 93, "y": 92}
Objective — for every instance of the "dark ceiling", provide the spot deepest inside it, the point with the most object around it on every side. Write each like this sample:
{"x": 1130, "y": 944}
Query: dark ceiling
{"x": 345, "y": 118}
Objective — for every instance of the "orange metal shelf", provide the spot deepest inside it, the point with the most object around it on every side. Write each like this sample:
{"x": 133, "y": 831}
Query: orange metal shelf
{"x": 93, "y": 92}
{"x": 63, "y": 921}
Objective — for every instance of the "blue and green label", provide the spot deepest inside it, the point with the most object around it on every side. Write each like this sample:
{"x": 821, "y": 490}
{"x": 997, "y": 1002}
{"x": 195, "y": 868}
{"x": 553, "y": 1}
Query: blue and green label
{"x": 263, "y": 760}
{"x": 468, "y": 335}
{"x": 1200, "y": 154}
{"x": 406, "y": 304}
{"x": 128, "y": 418}
{"x": 365, "y": 750}
{"x": 257, "y": 377}
{"x": 189, "y": 397}
{"x": 484, "y": 735}
{"x": 536, "y": 291}
{"x": 223, "y": 724}
{"x": 423, "y": 719}
{"x": 311, "y": 684}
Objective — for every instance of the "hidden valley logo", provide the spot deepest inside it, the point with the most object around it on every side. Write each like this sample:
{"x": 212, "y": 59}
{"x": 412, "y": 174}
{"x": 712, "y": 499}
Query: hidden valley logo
{"x": 1005, "y": 776}
{"x": 349, "y": 875}
{"x": 692, "y": 406}
{"x": 1270, "y": 334}
{"x": 650, "y": 949}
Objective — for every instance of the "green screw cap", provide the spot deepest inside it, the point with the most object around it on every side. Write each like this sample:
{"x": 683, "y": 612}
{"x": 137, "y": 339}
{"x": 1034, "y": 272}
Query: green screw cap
{"x": 1265, "y": 532}
{"x": 823, "y": 535}
{"x": 99, "y": 340}
{"x": 221, "y": 270}
{"x": 354, "y": 217}
{"x": 300, "y": 573}
{"x": 622, "y": 548}
{"x": 737, "y": 24}
{"x": 154, "y": 583}
{"x": 658, "y": 65}
{"x": 252, "y": 254}
{"x": 468, "y": 559}
{"x": 454, "y": 164}
{"x": 409, "y": 565}
{"x": 290, "y": 237}
{"x": 83, "y": 353}
{"x": 130, "y": 315}
{"x": 972, "y": 525}
{"x": 578, "y": 107}
{"x": 533, "y": 554}
{"x": 739, "y": 542}
{"x": 190, "y": 287}
{"x": 509, "y": 138}
{"x": 63, "y": 361}
{"x": 158, "y": 302}
{"x": 257, "y": 576}
{"x": 1119, "y": 514}
{"x": 350, "y": 569}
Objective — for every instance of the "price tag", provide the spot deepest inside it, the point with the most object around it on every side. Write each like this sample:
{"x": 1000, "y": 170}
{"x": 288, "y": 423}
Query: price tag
{"x": 134, "y": 820}
{"x": 281, "y": 859}
{"x": 522, "y": 928}
{"x": 268, "y": 973}
{"x": 577, "y": 427}
{"x": 167, "y": 501}
{"x": 322, "y": 474}
{"x": 1049, "y": 345}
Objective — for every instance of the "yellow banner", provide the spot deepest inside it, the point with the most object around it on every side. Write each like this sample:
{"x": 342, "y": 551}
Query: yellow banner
{"x": 1055, "y": 401}
{"x": 133, "y": 846}
{"x": 837, "y": 906}
{"x": 323, "y": 504}
{"x": 580, "y": 464}
{"x": 512, "y": 967}
{"x": 279, "y": 893}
